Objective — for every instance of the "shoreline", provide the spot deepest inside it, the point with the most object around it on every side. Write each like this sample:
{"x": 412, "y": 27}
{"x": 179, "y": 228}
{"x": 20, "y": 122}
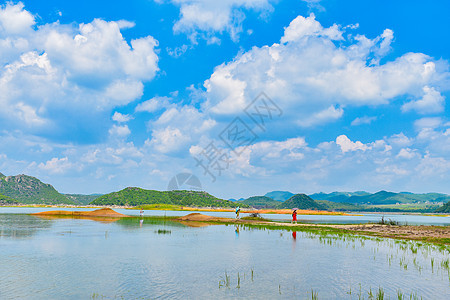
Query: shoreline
{"x": 166, "y": 207}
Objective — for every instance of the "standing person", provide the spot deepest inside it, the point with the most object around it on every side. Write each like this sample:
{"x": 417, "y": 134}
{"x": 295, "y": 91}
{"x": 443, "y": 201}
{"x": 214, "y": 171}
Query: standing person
{"x": 141, "y": 213}
{"x": 237, "y": 212}
{"x": 294, "y": 216}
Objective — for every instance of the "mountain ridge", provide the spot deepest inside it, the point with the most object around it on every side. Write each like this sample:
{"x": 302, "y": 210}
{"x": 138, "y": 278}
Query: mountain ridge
{"x": 30, "y": 190}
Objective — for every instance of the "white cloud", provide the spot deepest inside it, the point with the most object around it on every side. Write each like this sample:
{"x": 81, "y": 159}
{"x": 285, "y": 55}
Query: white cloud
{"x": 309, "y": 73}
{"x": 204, "y": 17}
{"x": 153, "y": 104}
{"x": 325, "y": 116}
{"x": 50, "y": 71}
{"x": 119, "y": 131}
{"x": 431, "y": 102}
{"x": 363, "y": 120}
{"x": 429, "y": 123}
{"x": 171, "y": 132}
{"x": 121, "y": 118}
{"x": 347, "y": 145}
{"x": 301, "y": 27}
{"x": 168, "y": 140}
{"x": 400, "y": 140}
{"x": 14, "y": 20}
{"x": 58, "y": 165}
{"x": 406, "y": 153}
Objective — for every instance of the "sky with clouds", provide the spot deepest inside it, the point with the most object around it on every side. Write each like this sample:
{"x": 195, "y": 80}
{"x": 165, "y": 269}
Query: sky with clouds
{"x": 250, "y": 96}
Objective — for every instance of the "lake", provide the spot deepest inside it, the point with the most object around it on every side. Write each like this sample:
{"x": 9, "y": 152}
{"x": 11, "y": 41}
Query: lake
{"x": 411, "y": 219}
{"x": 133, "y": 259}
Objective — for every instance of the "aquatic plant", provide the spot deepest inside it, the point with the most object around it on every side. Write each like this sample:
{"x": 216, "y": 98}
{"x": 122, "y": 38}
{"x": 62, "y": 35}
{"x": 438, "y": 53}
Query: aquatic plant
{"x": 314, "y": 295}
{"x": 380, "y": 294}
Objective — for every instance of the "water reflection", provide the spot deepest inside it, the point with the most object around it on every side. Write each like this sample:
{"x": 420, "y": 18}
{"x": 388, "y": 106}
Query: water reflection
{"x": 21, "y": 226}
{"x": 105, "y": 220}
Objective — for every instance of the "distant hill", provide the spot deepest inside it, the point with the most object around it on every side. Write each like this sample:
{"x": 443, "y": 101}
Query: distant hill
{"x": 384, "y": 197}
{"x": 444, "y": 208}
{"x": 301, "y": 201}
{"x": 340, "y": 206}
{"x": 80, "y": 199}
{"x": 261, "y": 202}
{"x": 133, "y": 196}
{"x": 5, "y": 200}
{"x": 279, "y": 195}
{"x": 381, "y": 198}
{"x": 30, "y": 190}
{"x": 337, "y": 196}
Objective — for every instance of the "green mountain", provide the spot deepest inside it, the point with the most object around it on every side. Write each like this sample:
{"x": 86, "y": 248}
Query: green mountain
{"x": 384, "y": 197}
{"x": 30, "y": 190}
{"x": 133, "y": 196}
{"x": 340, "y": 206}
{"x": 279, "y": 195}
{"x": 381, "y": 198}
{"x": 1, "y": 175}
{"x": 5, "y": 200}
{"x": 261, "y": 202}
{"x": 337, "y": 196}
{"x": 444, "y": 208}
{"x": 82, "y": 199}
{"x": 301, "y": 201}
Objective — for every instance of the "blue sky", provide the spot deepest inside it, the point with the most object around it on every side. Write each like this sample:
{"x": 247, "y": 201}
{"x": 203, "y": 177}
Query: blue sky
{"x": 99, "y": 96}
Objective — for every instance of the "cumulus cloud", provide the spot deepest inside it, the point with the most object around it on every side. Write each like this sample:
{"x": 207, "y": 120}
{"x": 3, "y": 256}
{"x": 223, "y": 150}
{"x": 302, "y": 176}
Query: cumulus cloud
{"x": 121, "y": 118}
{"x": 171, "y": 133}
{"x": 50, "y": 71}
{"x": 119, "y": 131}
{"x": 309, "y": 73}
{"x": 431, "y": 102}
{"x": 57, "y": 165}
{"x": 207, "y": 18}
{"x": 347, "y": 145}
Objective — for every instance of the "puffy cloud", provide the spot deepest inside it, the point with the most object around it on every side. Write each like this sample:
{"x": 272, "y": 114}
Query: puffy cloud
{"x": 121, "y": 118}
{"x": 301, "y": 27}
{"x": 119, "y": 131}
{"x": 347, "y": 145}
{"x": 14, "y": 20}
{"x": 58, "y": 165}
{"x": 53, "y": 71}
{"x": 211, "y": 17}
{"x": 309, "y": 74}
{"x": 168, "y": 139}
{"x": 431, "y": 102}
{"x": 171, "y": 133}
{"x": 406, "y": 153}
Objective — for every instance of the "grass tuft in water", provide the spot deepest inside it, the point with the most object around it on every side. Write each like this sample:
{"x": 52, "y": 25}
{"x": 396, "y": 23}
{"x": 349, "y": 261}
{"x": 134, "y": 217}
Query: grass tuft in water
{"x": 380, "y": 294}
{"x": 314, "y": 295}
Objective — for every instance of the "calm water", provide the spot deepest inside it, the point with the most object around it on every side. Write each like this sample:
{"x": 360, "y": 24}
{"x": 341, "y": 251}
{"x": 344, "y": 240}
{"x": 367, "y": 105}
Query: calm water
{"x": 82, "y": 259}
{"x": 328, "y": 219}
